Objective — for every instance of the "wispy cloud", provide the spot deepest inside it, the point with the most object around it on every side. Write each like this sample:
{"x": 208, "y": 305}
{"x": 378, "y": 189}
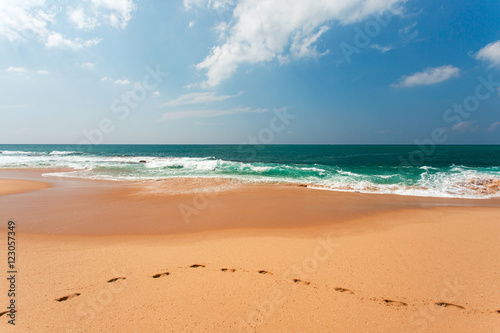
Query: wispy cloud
{"x": 255, "y": 34}
{"x": 81, "y": 20}
{"x": 494, "y": 126}
{"x": 56, "y": 40}
{"x": 42, "y": 72}
{"x": 117, "y": 81}
{"x": 121, "y": 82}
{"x": 428, "y": 76}
{"x": 465, "y": 126}
{"x": 490, "y": 53}
{"x": 381, "y": 48}
{"x": 175, "y": 115}
{"x": 198, "y": 98}
{"x": 116, "y": 13}
{"x": 17, "y": 70}
{"x": 87, "y": 65}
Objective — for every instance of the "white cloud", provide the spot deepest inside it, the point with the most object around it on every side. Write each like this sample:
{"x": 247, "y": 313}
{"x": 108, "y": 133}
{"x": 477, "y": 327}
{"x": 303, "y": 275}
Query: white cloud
{"x": 121, "y": 82}
{"x": 175, "y": 115}
{"x": 465, "y": 126}
{"x": 115, "y": 81}
{"x": 382, "y": 49}
{"x": 155, "y": 93}
{"x": 490, "y": 53}
{"x": 38, "y": 20}
{"x": 42, "y": 72}
{"x": 191, "y": 24}
{"x": 17, "y": 70}
{"x": 197, "y": 98}
{"x": 494, "y": 126}
{"x": 262, "y": 30}
{"x": 56, "y": 40}
{"x": 87, "y": 65}
{"x": 117, "y": 13}
{"x": 81, "y": 20}
{"x": 428, "y": 76}
{"x": 22, "y": 19}
{"x": 408, "y": 29}
{"x": 214, "y": 4}
{"x": 303, "y": 46}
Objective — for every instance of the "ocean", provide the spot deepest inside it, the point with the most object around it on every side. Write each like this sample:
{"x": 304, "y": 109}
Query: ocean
{"x": 431, "y": 171}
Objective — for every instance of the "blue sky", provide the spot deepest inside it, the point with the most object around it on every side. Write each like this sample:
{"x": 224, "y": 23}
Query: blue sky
{"x": 228, "y": 71}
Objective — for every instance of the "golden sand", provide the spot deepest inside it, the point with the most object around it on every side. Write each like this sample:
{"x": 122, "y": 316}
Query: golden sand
{"x": 107, "y": 257}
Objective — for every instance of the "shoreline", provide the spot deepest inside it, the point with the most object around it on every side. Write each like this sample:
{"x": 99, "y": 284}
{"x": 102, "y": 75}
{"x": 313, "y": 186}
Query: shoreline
{"x": 187, "y": 205}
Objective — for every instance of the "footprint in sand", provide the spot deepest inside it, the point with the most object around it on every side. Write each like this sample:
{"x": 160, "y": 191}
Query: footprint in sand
{"x": 265, "y": 272}
{"x": 196, "y": 266}
{"x": 116, "y": 279}
{"x": 156, "y": 276}
{"x": 449, "y": 305}
{"x": 344, "y": 290}
{"x": 303, "y": 282}
{"x": 394, "y": 303}
{"x": 65, "y": 298}
{"x": 2, "y": 313}
{"x": 232, "y": 270}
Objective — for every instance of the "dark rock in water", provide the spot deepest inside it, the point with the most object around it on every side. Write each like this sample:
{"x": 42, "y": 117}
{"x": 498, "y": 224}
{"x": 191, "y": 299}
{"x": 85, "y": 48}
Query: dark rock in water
{"x": 142, "y": 161}
{"x": 302, "y": 185}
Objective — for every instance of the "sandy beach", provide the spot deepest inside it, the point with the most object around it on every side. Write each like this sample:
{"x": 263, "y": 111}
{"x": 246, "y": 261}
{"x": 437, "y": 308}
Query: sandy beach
{"x": 190, "y": 255}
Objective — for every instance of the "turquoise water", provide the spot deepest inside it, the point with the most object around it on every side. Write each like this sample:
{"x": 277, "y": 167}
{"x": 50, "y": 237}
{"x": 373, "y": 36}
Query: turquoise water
{"x": 435, "y": 171}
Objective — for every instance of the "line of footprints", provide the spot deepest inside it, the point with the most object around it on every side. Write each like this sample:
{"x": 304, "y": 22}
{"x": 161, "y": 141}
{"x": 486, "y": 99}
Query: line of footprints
{"x": 264, "y": 272}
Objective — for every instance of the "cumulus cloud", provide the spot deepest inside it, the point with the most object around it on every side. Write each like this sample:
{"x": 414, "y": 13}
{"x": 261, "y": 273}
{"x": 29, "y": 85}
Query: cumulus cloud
{"x": 197, "y": 98}
{"x": 175, "y": 115}
{"x": 490, "y": 53}
{"x": 428, "y": 76}
{"x": 25, "y": 20}
{"x": 261, "y": 30}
